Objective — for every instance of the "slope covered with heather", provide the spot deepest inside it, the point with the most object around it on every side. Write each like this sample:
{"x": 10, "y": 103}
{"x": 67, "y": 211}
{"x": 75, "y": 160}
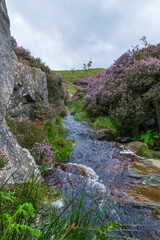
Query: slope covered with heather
{"x": 128, "y": 92}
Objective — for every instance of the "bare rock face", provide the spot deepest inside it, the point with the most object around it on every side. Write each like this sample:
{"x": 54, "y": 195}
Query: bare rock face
{"x": 20, "y": 159}
{"x": 29, "y": 87}
{"x": 6, "y": 63}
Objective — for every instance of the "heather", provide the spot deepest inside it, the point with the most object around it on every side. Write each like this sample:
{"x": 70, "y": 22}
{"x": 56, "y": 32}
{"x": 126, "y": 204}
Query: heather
{"x": 44, "y": 136}
{"x": 70, "y": 76}
{"x": 128, "y": 92}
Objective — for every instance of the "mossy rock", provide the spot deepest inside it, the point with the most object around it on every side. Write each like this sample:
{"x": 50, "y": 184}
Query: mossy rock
{"x": 105, "y": 134}
{"x": 139, "y": 148}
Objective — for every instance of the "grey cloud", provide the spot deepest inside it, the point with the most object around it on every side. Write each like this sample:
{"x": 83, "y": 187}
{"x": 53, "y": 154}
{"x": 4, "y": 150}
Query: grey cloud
{"x": 73, "y": 31}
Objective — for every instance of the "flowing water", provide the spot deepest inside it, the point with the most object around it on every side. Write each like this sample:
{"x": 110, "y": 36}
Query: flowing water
{"x": 130, "y": 184}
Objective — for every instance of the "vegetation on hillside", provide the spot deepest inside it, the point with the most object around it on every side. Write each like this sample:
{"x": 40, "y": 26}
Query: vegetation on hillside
{"x": 44, "y": 136}
{"x": 69, "y": 77}
{"x": 127, "y": 92}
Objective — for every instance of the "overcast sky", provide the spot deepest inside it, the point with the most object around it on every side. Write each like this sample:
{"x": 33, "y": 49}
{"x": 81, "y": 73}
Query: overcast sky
{"x": 67, "y": 33}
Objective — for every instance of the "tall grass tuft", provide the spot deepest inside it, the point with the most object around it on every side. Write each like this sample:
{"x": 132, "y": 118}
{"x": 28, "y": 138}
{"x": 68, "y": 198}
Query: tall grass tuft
{"x": 27, "y": 212}
{"x": 105, "y": 122}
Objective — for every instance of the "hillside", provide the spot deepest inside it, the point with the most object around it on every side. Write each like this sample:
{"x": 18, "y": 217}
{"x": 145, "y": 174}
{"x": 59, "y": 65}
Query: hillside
{"x": 70, "y": 75}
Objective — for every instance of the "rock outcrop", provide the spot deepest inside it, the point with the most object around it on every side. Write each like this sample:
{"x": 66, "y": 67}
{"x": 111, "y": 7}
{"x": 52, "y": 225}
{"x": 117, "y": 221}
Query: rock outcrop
{"x": 20, "y": 159}
{"x": 6, "y": 62}
{"x": 30, "y": 86}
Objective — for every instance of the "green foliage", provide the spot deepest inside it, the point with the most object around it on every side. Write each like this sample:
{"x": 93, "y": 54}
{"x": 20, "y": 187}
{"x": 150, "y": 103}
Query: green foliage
{"x": 28, "y": 132}
{"x": 70, "y": 76}
{"x": 55, "y": 128}
{"x": 62, "y": 148}
{"x": 37, "y": 219}
{"x": 76, "y": 107}
{"x": 44, "y": 111}
{"x": 105, "y": 122}
{"x": 147, "y": 138}
{"x": 32, "y": 134}
{"x": 144, "y": 41}
{"x": 151, "y": 138}
{"x": 104, "y": 232}
{"x": 32, "y": 191}
{"x": 56, "y": 136}
{"x": 82, "y": 117}
{"x": 23, "y": 213}
{"x": 88, "y": 65}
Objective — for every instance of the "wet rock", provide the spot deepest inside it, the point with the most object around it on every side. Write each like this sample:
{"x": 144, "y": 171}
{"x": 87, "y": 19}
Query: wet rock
{"x": 136, "y": 146}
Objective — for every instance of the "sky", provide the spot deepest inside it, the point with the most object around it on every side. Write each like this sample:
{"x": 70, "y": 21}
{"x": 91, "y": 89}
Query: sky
{"x": 65, "y": 34}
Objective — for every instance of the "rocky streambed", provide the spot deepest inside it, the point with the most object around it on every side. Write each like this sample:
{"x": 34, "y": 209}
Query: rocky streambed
{"x": 130, "y": 185}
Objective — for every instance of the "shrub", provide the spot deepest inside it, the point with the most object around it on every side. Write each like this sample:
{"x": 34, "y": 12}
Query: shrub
{"x": 152, "y": 139}
{"x": 44, "y": 111}
{"x": 128, "y": 91}
{"x": 43, "y": 154}
{"x": 26, "y": 58}
{"x": 147, "y": 137}
{"x": 28, "y": 132}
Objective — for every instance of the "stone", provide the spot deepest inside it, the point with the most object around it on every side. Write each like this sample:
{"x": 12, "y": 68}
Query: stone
{"x": 6, "y": 62}
{"x": 105, "y": 134}
{"x": 156, "y": 154}
{"x": 30, "y": 86}
{"x": 21, "y": 162}
{"x": 155, "y": 162}
{"x": 135, "y": 146}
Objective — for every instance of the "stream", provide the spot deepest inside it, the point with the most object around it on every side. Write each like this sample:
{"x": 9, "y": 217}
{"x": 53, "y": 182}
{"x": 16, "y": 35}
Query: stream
{"x": 128, "y": 183}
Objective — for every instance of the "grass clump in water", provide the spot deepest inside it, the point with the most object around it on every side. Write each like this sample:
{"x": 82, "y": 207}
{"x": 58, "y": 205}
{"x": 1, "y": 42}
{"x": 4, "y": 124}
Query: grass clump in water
{"x": 105, "y": 122}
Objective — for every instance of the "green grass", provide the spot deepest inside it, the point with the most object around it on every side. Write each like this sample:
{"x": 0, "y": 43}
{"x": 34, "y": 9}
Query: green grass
{"x": 82, "y": 117}
{"x": 105, "y": 122}
{"x": 27, "y": 212}
{"x": 70, "y": 76}
{"x": 76, "y": 109}
{"x": 79, "y": 74}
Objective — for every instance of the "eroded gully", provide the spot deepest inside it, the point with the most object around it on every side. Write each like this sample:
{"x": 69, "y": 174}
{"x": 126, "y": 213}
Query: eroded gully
{"x": 115, "y": 175}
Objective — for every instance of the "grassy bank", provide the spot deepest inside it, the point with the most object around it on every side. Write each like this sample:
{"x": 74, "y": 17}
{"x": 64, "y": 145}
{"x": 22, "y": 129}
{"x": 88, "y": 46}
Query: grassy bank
{"x": 70, "y": 75}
